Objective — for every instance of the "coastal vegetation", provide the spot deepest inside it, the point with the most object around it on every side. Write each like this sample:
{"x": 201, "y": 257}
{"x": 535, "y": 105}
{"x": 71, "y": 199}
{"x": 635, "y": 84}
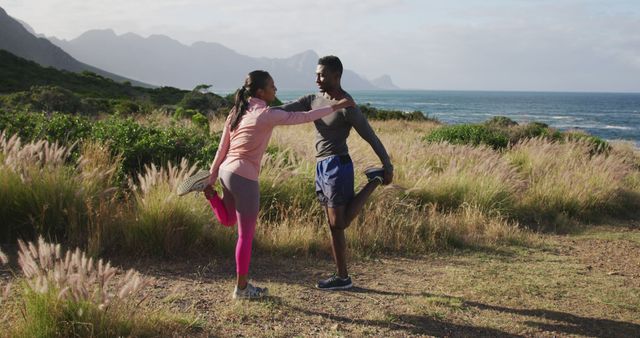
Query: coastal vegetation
{"x": 90, "y": 163}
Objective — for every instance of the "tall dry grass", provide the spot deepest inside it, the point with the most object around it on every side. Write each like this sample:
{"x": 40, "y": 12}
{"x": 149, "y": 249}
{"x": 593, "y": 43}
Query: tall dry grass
{"x": 67, "y": 294}
{"x": 443, "y": 195}
{"x": 446, "y": 195}
{"x": 161, "y": 222}
{"x": 50, "y": 194}
{"x": 4, "y": 289}
{"x": 566, "y": 179}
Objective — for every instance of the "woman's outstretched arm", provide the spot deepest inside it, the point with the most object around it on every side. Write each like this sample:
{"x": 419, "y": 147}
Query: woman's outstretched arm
{"x": 221, "y": 154}
{"x": 281, "y": 117}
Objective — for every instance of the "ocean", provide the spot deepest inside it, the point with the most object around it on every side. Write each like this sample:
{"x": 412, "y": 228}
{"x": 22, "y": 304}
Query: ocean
{"x": 611, "y": 116}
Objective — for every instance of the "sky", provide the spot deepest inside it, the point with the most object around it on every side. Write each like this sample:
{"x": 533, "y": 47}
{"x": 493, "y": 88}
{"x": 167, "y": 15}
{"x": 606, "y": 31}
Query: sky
{"x": 531, "y": 45}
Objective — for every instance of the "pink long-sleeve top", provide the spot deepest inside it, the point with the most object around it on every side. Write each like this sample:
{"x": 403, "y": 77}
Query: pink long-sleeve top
{"x": 241, "y": 150}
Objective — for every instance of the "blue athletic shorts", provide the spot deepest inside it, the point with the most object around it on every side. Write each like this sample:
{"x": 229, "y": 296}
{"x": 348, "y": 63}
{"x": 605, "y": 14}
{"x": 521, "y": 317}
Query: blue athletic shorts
{"x": 334, "y": 181}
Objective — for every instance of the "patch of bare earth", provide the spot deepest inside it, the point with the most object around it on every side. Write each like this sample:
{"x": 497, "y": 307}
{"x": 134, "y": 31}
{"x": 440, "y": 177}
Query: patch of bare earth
{"x": 575, "y": 287}
{"x": 584, "y": 286}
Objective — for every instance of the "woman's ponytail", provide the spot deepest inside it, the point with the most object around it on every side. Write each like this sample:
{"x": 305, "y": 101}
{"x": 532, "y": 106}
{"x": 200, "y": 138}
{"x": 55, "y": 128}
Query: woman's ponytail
{"x": 239, "y": 107}
{"x": 255, "y": 80}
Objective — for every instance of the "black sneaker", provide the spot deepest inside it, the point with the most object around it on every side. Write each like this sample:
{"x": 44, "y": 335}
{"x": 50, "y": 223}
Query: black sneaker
{"x": 335, "y": 283}
{"x": 375, "y": 174}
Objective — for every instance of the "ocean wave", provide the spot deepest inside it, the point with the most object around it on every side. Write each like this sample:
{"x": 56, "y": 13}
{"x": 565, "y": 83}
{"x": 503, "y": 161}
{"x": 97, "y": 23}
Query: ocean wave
{"x": 617, "y": 127}
{"x": 431, "y": 103}
{"x": 593, "y": 126}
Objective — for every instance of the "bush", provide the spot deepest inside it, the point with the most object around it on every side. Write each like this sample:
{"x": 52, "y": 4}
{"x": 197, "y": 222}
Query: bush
{"x": 500, "y": 122}
{"x": 200, "y": 121}
{"x": 470, "y": 134}
{"x": 53, "y": 98}
{"x": 44, "y": 98}
{"x": 58, "y": 127}
{"x": 94, "y": 106}
{"x": 276, "y": 102}
{"x": 373, "y": 113}
{"x": 127, "y": 107}
{"x": 597, "y": 144}
{"x": 202, "y": 101}
{"x": 138, "y": 144}
{"x": 532, "y": 130}
{"x": 182, "y": 113}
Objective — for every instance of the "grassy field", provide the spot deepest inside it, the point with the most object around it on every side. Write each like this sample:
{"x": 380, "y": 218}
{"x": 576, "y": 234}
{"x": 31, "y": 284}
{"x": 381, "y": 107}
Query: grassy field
{"x": 584, "y": 284}
{"x": 538, "y": 239}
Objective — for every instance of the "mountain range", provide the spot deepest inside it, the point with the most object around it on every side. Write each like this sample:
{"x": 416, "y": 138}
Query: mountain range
{"x": 18, "y": 40}
{"x": 158, "y": 59}
{"x": 161, "y": 61}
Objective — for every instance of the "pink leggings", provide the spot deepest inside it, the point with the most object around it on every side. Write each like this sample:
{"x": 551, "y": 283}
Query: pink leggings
{"x": 240, "y": 203}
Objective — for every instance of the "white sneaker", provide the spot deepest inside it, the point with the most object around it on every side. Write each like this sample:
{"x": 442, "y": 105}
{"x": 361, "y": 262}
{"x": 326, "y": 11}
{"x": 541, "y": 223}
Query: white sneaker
{"x": 197, "y": 182}
{"x": 250, "y": 292}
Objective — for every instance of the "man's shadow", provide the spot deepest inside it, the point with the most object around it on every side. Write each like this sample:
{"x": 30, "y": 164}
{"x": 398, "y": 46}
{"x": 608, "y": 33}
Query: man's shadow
{"x": 568, "y": 323}
{"x": 565, "y": 323}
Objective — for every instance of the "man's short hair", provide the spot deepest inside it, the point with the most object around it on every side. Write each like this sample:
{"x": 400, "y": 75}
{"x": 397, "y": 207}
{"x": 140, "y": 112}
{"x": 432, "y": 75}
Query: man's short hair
{"x": 332, "y": 63}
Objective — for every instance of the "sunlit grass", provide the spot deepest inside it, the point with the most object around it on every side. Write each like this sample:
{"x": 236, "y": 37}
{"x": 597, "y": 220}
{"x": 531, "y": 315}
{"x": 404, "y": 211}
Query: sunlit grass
{"x": 63, "y": 294}
{"x": 443, "y": 195}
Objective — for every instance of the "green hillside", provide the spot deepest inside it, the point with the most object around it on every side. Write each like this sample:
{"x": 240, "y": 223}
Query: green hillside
{"x": 23, "y": 81}
{"x": 18, "y": 74}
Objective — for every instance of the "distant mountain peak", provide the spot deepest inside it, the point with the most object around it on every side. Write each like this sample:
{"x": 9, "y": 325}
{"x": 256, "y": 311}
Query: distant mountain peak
{"x": 310, "y": 52}
{"x": 159, "y": 59}
{"x": 18, "y": 40}
{"x": 98, "y": 34}
{"x": 384, "y": 82}
{"x": 27, "y": 27}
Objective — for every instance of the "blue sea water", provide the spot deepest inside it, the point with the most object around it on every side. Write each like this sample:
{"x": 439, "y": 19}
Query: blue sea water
{"x": 607, "y": 115}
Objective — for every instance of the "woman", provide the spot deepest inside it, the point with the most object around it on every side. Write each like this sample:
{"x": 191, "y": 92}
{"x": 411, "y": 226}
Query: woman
{"x": 237, "y": 163}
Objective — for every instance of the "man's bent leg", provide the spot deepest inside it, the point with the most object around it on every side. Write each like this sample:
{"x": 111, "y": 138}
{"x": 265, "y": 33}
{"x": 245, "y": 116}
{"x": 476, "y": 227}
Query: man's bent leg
{"x": 337, "y": 224}
{"x": 358, "y": 201}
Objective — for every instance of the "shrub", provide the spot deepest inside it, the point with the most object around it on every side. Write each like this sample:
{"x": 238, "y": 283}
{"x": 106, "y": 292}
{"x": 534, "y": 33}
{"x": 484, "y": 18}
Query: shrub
{"x": 276, "y": 102}
{"x": 202, "y": 101}
{"x": 141, "y": 145}
{"x": 200, "y": 121}
{"x": 532, "y": 130}
{"x": 127, "y": 107}
{"x": 56, "y": 127}
{"x": 373, "y": 113}
{"x": 137, "y": 143}
{"x": 53, "y": 98}
{"x": 597, "y": 145}
{"x": 471, "y": 134}
{"x": 94, "y": 106}
{"x": 500, "y": 122}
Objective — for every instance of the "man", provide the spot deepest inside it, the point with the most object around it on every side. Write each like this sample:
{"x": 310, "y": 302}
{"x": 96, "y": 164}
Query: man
{"x": 334, "y": 169}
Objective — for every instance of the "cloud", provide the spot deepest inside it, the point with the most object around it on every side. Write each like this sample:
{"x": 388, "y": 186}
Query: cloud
{"x": 550, "y": 47}
{"x": 490, "y": 44}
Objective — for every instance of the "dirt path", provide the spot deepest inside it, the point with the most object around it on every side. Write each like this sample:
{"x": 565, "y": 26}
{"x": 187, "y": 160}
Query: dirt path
{"x": 586, "y": 285}
{"x": 579, "y": 285}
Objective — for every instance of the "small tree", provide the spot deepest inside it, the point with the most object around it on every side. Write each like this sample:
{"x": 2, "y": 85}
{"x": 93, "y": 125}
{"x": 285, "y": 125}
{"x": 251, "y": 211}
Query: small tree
{"x": 202, "y": 88}
{"x": 54, "y": 98}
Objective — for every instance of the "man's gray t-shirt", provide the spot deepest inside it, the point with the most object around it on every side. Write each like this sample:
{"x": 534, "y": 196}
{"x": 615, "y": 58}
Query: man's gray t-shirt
{"x": 332, "y": 130}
